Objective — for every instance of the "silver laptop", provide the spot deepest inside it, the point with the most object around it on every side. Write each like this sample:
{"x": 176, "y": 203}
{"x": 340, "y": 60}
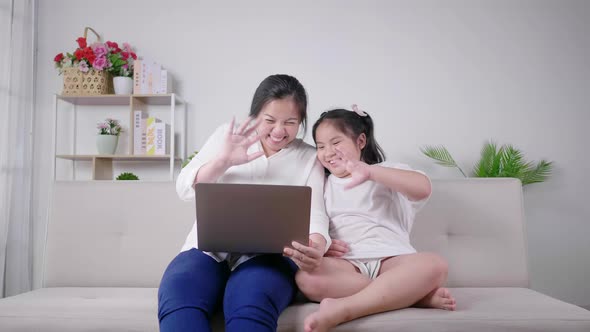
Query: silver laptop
{"x": 249, "y": 218}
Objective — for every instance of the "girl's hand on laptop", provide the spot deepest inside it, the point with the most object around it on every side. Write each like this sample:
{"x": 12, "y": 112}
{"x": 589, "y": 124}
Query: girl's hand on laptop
{"x": 237, "y": 141}
{"x": 308, "y": 258}
{"x": 338, "y": 248}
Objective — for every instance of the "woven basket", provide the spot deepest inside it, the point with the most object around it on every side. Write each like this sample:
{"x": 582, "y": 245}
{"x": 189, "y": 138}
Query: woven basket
{"x": 83, "y": 84}
{"x": 78, "y": 83}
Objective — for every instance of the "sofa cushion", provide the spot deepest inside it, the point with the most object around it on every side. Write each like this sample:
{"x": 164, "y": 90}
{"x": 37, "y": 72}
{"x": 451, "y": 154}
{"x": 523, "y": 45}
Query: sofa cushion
{"x": 81, "y": 309}
{"x": 128, "y": 244}
{"x": 478, "y": 309}
{"x": 476, "y": 224}
{"x": 134, "y": 309}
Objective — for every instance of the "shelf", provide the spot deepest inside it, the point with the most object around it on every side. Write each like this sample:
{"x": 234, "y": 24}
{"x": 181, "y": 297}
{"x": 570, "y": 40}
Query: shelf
{"x": 103, "y": 166}
{"x": 119, "y": 157}
{"x": 120, "y": 100}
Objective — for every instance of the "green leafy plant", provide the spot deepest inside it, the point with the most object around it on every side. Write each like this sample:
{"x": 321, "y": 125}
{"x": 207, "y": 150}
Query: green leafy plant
{"x": 127, "y": 176}
{"x": 441, "y": 156}
{"x": 503, "y": 161}
{"x": 188, "y": 160}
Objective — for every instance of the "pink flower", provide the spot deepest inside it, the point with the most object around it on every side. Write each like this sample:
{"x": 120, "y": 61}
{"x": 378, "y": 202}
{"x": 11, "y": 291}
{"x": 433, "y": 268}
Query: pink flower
{"x": 99, "y": 49}
{"x": 112, "y": 45}
{"x": 83, "y": 66}
{"x": 100, "y": 63}
{"x": 127, "y": 47}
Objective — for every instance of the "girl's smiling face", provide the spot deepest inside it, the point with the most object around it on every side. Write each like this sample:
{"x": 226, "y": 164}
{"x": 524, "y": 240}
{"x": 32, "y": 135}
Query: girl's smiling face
{"x": 329, "y": 139}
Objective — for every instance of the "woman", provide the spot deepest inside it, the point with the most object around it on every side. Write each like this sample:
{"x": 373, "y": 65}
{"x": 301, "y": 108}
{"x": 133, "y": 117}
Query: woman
{"x": 253, "y": 289}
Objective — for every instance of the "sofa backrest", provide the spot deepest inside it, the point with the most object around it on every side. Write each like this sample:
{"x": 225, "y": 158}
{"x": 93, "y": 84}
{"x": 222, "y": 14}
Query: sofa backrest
{"x": 124, "y": 234}
{"x": 478, "y": 226}
{"x": 114, "y": 234}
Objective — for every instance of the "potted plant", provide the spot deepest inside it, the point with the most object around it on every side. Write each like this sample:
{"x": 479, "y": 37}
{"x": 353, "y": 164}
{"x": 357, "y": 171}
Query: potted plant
{"x": 108, "y": 136}
{"x": 495, "y": 162}
{"x": 122, "y": 63}
{"x": 127, "y": 176}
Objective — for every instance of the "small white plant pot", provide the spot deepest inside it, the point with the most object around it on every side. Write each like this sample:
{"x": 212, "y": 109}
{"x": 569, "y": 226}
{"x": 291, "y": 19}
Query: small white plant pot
{"x": 106, "y": 144}
{"x": 123, "y": 85}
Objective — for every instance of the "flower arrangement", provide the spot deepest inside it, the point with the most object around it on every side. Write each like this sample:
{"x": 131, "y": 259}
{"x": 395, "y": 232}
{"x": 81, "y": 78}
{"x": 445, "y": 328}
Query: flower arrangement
{"x": 98, "y": 56}
{"x": 109, "y": 127}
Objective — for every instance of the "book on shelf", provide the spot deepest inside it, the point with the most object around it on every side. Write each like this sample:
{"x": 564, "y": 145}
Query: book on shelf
{"x": 136, "y": 76}
{"x": 155, "y": 136}
{"x": 139, "y": 123}
{"x": 150, "y": 78}
{"x": 161, "y": 141}
{"x": 165, "y": 86}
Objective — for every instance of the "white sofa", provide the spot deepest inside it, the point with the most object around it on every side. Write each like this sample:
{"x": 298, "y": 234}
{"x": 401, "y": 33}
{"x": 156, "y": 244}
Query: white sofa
{"x": 109, "y": 243}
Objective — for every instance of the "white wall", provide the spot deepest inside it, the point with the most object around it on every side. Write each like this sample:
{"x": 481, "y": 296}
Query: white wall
{"x": 454, "y": 74}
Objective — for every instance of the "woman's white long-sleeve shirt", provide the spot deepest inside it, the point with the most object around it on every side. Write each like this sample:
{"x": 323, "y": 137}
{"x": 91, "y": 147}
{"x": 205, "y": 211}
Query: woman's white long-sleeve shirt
{"x": 295, "y": 164}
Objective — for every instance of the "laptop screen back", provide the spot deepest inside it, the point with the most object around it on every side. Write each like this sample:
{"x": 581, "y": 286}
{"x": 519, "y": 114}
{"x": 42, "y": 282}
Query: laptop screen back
{"x": 247, "y": 218}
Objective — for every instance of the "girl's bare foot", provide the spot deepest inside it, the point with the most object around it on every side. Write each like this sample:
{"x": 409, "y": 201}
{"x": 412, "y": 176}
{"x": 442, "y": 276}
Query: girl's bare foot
{"x": 330, "y": 314}
{"x": 439, "y": 298}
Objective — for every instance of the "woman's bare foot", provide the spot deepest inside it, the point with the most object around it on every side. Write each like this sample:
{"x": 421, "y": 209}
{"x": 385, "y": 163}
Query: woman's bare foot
{"x": 330, "y": 314}
{"x": 439, "y": 298}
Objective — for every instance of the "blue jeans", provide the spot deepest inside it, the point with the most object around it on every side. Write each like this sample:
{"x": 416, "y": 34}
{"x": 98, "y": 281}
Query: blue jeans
{"x": 254, "y": 294}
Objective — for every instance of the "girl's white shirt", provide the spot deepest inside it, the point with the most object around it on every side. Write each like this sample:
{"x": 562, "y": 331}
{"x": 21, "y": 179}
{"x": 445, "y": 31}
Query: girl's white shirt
{"x": 373, "y": 219}
{"x": 295, "y": 164}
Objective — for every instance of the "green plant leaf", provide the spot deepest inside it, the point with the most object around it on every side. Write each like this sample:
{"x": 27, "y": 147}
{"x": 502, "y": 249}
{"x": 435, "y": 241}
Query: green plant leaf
{"x": 511, "y": 162}
{"x": 536, "y": 174}
{"x": 127, "y": 176}
{"x": 489, "y": 162}
{"x": 441, "y": 156}
{"x": 503, "y": 161}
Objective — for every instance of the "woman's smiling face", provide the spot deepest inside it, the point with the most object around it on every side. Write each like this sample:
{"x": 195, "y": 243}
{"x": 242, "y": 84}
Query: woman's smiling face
{"x": 279, "y": 125}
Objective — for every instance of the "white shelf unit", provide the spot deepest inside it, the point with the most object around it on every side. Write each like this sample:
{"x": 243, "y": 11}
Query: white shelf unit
{"x": 102, "y": 165}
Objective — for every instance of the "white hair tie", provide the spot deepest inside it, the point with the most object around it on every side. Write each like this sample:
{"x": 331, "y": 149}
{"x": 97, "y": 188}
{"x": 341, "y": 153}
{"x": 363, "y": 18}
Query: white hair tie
{"x": 358, "y": 111}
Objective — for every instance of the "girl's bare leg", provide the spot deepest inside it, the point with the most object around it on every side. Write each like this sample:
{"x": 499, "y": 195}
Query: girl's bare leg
{"x": 336, "y": 277}
{"x": 402, "y": 282}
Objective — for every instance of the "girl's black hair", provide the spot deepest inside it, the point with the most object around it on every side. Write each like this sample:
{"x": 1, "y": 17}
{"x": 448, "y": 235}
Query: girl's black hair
{"x": 353, "y": 125}
{"x": 280, "y": 86}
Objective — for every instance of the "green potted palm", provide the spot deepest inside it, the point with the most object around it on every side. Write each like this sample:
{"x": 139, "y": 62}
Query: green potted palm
{"x": 495, "y": 162}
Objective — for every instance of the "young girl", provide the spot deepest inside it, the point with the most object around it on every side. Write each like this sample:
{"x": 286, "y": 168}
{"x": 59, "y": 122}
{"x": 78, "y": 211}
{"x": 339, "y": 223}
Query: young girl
{"x": 371, "y": 205}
